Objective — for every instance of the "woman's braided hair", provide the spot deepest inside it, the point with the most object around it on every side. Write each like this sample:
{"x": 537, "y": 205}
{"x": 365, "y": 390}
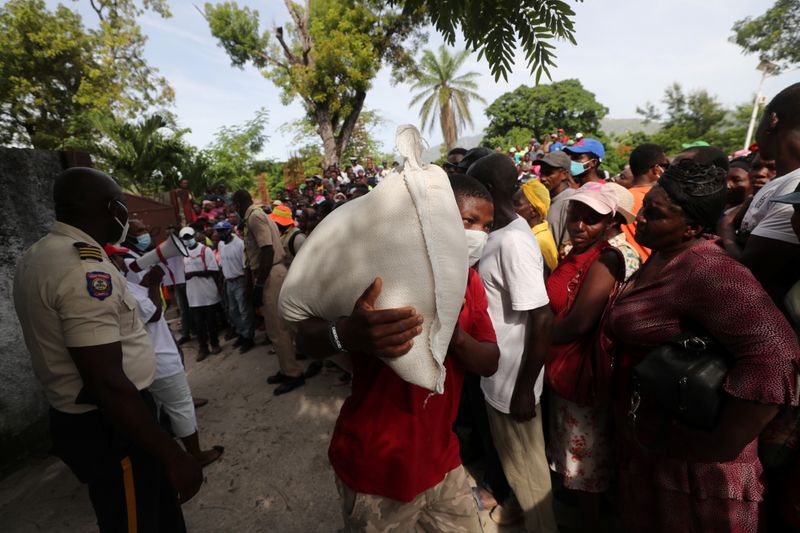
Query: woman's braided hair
{"x": 699, "y": 189}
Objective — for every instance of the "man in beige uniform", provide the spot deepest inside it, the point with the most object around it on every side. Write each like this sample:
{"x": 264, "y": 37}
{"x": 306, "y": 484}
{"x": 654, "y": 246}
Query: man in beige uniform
{"x": 264, "y": 249}
{"x": 93, "y": 357}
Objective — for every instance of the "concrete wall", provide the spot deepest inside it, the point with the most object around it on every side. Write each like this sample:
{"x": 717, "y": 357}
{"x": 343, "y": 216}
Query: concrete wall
{"x": 26, "y": 208}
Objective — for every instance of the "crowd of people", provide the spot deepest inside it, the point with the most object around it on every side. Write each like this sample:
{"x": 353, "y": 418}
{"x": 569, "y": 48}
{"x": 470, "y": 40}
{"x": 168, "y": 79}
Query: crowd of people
{"x": 610, "y": 301}
{"x": 630, "y": 338}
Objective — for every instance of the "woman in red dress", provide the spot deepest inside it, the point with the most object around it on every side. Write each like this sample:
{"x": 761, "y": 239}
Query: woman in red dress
{"x": 697, "y": 481}
{"x": 579, "y": 288}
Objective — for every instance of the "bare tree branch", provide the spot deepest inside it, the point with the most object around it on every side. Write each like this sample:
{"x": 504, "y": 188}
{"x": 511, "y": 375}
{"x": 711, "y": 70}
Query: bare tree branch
{"x": 286, "y": 50}
{"x": 302, "y": 24}
{"x": 98, "y": 10}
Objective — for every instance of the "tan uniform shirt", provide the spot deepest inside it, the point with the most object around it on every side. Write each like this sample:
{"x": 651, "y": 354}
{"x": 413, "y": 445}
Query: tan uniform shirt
{"x": 261, "y": 231}
{"x": 69, "y": 295}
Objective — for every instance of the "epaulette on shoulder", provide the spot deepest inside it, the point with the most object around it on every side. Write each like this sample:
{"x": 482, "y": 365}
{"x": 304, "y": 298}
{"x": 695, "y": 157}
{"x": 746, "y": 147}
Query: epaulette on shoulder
{"x": 88, "y": 251}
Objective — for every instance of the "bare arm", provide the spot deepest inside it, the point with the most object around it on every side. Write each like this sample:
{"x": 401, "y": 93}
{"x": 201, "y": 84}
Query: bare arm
{"x": 774, "y": 264}
{"x": 110, "y": 389}
{"x": 740, "y": 423}
{"x": 152, "y": 280}
{"x": 370, "y": 331}
{"x": 591, "y": 300}
{"x": 265, "y": 256}
{"x": 726, "y": 229}
{"x": 478, "y": 357}
{"x": 523, "y": 400}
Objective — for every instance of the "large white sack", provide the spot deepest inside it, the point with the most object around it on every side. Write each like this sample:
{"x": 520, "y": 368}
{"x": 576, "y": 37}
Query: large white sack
{"x": 407, "y": 231}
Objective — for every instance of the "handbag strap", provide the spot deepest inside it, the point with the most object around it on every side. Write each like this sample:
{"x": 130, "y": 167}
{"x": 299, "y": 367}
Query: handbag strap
{"x": 632, "y": 418}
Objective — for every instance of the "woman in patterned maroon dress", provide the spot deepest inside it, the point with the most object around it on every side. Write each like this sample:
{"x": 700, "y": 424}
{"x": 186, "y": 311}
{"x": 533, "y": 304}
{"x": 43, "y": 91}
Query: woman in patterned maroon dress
{"x": 697, "y": 481}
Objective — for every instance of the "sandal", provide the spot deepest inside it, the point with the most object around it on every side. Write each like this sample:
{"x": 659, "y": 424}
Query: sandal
{"x": 212, "y": 458}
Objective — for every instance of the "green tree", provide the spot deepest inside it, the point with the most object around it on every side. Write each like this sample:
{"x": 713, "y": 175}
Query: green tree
{"x": 274, "y": 176}
{"x": 125, "y": 82}
{"x": 541, "y": 110}
{"x": 233, "y": 152}
{"x": 54, "y": 73}
{"x": 493, "y": 28}
{"x": 327, "y": 58}
{"x": 193, "y": 165}
{"x": 688, "y": 117}
{"x": 144, "y": 156}
{"x": 362, "y": 141}
{"x": 445, "y": 94}
{"x": 45, "y": 59}
{"x": 774, "y": 36}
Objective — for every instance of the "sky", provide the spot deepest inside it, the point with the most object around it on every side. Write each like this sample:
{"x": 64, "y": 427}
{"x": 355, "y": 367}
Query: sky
{"x": 628, "y": 51}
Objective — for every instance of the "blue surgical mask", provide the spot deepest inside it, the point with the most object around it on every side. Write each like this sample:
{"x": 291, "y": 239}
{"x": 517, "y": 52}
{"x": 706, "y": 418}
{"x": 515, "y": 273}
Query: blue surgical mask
{"x": 144, "y": 241}
{"x": 576, "y": 169}
{"x": 191, "y": 243}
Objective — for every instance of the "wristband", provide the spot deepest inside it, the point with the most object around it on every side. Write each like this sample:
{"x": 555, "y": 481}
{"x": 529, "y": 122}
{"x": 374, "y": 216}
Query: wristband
{"x": 333, "y": 336}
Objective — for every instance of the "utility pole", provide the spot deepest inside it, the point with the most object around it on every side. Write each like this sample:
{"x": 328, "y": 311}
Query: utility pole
{"x": 767, "y": 69}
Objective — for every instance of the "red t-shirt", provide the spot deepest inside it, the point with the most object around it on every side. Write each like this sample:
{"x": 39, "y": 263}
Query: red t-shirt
{"x": 395, "y": 439}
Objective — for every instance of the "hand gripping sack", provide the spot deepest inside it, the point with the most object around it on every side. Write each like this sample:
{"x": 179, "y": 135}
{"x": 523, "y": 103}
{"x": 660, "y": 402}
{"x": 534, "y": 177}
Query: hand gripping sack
{"x": 407, "y": 231}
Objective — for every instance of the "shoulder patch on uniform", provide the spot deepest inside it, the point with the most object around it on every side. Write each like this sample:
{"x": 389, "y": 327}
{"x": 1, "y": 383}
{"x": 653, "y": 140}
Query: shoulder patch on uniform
{"x": 88, "y": 251}
{"x": 99, "y": 285}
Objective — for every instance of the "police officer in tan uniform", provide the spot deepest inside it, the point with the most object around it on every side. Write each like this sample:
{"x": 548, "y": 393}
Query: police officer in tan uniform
{"x": 94, "y": 360}
{"x": 264, "y": 250}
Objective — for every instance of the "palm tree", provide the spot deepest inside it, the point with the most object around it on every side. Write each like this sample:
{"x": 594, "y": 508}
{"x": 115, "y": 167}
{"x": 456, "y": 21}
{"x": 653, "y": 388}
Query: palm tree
{"x": 444, "y": 94}
{"x": 141, "y": 155}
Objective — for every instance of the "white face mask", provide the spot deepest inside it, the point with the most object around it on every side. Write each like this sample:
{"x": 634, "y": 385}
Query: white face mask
{"x": 476, "y": 240}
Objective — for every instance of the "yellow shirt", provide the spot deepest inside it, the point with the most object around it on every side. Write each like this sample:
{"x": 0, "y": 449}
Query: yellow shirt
{"x": 547, "y": 244}
{"x": 68, "y": 294}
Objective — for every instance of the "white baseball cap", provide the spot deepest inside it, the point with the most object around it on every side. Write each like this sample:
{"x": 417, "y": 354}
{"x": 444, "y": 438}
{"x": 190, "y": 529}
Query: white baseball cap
{"x": 186, "y": 232}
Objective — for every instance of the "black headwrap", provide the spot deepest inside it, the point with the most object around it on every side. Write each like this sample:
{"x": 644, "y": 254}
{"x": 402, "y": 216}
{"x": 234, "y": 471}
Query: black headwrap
{"x": 699, "y": 189}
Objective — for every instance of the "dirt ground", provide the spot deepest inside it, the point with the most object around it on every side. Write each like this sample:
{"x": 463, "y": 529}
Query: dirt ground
{"x": 273, "y": 476}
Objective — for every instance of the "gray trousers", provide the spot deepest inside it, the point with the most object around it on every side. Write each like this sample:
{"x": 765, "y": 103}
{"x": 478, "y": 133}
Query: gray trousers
{"x": 240, "y": 311}
{"x": 183, "y": 304}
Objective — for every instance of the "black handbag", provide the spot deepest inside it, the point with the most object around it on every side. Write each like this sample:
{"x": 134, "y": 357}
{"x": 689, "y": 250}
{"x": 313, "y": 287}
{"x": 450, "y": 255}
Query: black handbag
{"x": 683, "y": 376}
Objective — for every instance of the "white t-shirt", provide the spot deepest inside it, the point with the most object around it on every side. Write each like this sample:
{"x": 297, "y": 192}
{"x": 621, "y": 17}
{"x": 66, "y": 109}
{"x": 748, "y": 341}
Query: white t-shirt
{"x": 174, "y": 265}
{"x": 773, "y": 220}
{"x": 201, "y": 291}
{"x": 168, "y": 358}
{"x": 232, "y": 257}
{"x": 130, "y": 275}
{"x": 512, "y": 271}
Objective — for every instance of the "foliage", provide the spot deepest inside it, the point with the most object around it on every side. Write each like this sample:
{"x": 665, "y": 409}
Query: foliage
{"x": 232, "y": 154}
{"x": 143, "y": 156}
{"x": 274, "y": 176}
{"x": 193, "y": 166}
{"x": 54, "y": 73}
{"x": 774, "y": 36}
{"x": 542, "y": 110}
{"x": 493, "y": 27}
{"x": 694, "y": 116}
{"x": 125, "y": 83}
{"x": 362, "y": 143}
{"x": 327, "y": 58}
{"x": 444, "y": 94}
{"x": 619, "y": 148}
{"x": 45, "y": 58}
